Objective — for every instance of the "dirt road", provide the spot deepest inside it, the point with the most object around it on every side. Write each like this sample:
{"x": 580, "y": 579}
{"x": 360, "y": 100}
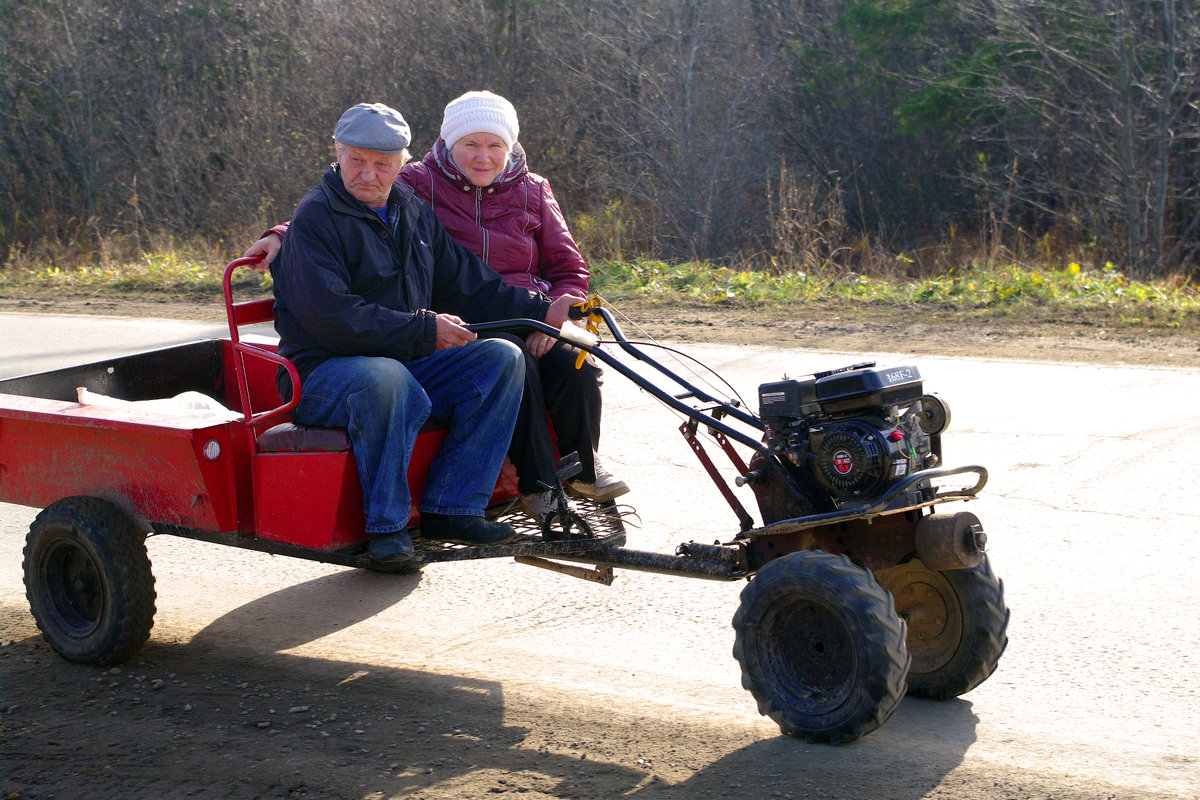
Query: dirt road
{"x": 276, "y": 678}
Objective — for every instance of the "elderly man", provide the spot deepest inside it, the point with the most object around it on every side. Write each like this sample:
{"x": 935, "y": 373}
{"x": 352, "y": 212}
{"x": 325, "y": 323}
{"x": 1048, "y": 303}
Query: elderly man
{"x": 370, "y": 301}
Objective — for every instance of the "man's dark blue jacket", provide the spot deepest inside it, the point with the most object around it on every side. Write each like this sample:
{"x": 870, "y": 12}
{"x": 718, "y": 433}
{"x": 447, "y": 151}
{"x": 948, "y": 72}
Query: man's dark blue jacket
{"x": 346, "y": 284}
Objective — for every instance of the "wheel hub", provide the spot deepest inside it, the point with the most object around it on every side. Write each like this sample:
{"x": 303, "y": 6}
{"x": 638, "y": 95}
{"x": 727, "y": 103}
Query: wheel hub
{"x": 75, "y": 588}
{"x": 927, "y": 604}
{"x": 923, "y": 609}
{"x": 819, "y": 663}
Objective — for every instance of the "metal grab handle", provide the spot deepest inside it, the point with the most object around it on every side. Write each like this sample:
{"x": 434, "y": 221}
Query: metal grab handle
{"x": 242, "y": 349}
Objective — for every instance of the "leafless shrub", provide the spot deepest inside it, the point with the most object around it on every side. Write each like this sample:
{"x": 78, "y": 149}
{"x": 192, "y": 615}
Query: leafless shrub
{"x": 808, "y": 224}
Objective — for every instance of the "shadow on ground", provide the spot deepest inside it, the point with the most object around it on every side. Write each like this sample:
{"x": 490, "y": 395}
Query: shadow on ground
{"x": 229, "y": 715}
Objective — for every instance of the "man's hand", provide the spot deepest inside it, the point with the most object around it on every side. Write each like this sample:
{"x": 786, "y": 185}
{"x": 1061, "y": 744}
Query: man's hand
{"x": 451, "y": 333}
{"x": 268, "y": 247}
{"x": 560, "y": 309}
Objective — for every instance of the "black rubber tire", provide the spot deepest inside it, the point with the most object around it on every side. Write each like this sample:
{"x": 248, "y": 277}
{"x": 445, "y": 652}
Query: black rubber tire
{"x": 821, "y": 647}
{"x": 88, "y": 581}
{"x": 957, "y": 625}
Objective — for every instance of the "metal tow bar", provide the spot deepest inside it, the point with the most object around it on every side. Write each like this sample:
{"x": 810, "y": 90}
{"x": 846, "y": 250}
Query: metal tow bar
{"x": 600, "y": 574}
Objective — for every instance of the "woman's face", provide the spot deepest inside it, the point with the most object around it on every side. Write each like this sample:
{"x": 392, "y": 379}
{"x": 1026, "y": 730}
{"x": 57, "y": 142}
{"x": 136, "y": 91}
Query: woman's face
{"x": 481, "y": 157}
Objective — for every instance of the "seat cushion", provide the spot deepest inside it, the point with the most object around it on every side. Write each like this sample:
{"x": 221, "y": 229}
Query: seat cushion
{"x": 291, "y": 438}
{"x": 288, "y": 437}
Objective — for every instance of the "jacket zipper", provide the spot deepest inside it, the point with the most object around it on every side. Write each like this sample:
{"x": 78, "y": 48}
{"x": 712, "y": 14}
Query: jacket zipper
{"x": 479, "y": 221}
{"x": 392, "y": 230}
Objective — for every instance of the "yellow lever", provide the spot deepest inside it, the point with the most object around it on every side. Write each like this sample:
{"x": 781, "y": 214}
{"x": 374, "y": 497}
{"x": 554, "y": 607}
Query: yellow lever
{"x": 593, "y": 323}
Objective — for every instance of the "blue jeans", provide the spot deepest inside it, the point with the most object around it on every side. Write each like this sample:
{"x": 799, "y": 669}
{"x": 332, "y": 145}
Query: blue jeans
{"x": 383, "y": 403}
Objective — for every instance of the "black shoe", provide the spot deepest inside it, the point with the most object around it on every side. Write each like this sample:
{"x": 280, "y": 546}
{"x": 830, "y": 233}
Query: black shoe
{"x": 462, "y": 529}
{"x": 391, "y": 548}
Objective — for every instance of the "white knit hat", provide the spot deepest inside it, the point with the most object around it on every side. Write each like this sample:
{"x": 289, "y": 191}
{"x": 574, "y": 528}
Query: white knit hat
{"x": 479, "y": 112}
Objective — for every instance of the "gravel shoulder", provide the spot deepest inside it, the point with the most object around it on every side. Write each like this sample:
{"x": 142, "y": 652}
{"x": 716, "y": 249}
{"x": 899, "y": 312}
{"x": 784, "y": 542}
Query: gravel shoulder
{"x": 1041, "y": 336}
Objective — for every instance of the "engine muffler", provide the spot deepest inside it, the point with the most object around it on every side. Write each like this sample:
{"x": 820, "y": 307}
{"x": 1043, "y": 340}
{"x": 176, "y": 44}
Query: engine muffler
{"x": 950, "y": 541}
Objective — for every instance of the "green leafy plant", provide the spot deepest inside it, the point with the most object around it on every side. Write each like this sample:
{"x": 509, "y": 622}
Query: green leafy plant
{"x": 973, "y": 288}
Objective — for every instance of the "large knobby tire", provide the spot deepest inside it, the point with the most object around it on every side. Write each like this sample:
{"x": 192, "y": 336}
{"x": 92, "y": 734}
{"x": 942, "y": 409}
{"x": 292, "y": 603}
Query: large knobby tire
{"x": 957, "y": 625}
{"x": 88, "y": 580}
{"x": 821, "y": 647}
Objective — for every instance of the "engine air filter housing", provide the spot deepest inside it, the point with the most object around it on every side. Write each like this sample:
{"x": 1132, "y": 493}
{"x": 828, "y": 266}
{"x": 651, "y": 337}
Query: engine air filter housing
{"x": 844, "y": 391}
{"x": 861, "y": 389}
{"x": 788, "y": 399}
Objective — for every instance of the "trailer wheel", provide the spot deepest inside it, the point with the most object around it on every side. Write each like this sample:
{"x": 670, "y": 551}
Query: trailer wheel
{"x": 88, "y": 580}
{"x": 821, "y": 647}
{"x": 957, "y": 624}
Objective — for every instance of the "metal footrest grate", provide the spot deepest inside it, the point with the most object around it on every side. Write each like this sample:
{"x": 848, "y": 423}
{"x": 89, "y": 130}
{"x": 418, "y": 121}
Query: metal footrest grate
{"x": 602, "y": 529}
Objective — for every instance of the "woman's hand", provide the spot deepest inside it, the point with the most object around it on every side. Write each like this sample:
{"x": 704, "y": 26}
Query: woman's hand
{"x": 268, "y": 247}
{"x": 559, "y": 314}
{"x": 539, "y": 343}
{"x": 560, "y": 309}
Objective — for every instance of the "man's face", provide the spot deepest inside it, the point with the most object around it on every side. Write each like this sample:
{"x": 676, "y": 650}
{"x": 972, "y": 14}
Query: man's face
{"x": 368, "y": 175}
{"x": 481, "y": 157}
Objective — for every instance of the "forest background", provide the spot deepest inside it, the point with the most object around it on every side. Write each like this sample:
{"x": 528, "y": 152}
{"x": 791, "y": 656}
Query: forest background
{"x": 905, "y": 138}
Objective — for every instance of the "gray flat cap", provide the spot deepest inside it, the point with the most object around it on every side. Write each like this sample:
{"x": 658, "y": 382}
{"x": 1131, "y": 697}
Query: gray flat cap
{"x": 373, "y": 126}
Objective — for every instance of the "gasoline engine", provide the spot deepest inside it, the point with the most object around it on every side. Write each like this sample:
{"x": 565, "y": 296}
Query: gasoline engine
{"x": 856, "y": 430}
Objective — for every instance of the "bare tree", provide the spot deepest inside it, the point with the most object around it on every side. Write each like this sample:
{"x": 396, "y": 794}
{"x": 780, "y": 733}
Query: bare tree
{"x": 1095, "y": 103}
{"x": 708, "y": 128}
{"x": 671, "y": 89}
{"x": 848, "y": 112}
{"x": 56, "y": 93}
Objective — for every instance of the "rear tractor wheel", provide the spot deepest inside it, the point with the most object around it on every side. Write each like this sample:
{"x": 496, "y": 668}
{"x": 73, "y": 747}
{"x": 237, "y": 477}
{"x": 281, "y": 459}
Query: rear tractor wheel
{"x": 957, "y": 625}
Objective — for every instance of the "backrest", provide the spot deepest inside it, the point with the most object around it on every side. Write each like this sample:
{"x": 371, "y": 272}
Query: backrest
{"x": 251, "y": 312}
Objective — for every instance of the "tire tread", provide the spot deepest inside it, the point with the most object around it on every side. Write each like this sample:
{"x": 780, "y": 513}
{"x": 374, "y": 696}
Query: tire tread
{"x": 110, "y": 537}
{"x": 861, "y": 598}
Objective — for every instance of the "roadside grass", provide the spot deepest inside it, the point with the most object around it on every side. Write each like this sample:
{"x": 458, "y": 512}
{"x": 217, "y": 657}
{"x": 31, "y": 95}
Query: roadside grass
{"x": 1005, "y": 291}
{"x": 154, "y": 273}
{"x": 1010, "y": 290}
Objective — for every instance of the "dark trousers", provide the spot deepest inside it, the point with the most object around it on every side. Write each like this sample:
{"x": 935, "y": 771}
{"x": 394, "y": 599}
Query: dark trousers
{"x": 571, "y": 397}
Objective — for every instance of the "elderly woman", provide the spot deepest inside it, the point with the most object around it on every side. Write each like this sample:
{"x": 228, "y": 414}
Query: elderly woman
{"x": 476, "y": 180}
